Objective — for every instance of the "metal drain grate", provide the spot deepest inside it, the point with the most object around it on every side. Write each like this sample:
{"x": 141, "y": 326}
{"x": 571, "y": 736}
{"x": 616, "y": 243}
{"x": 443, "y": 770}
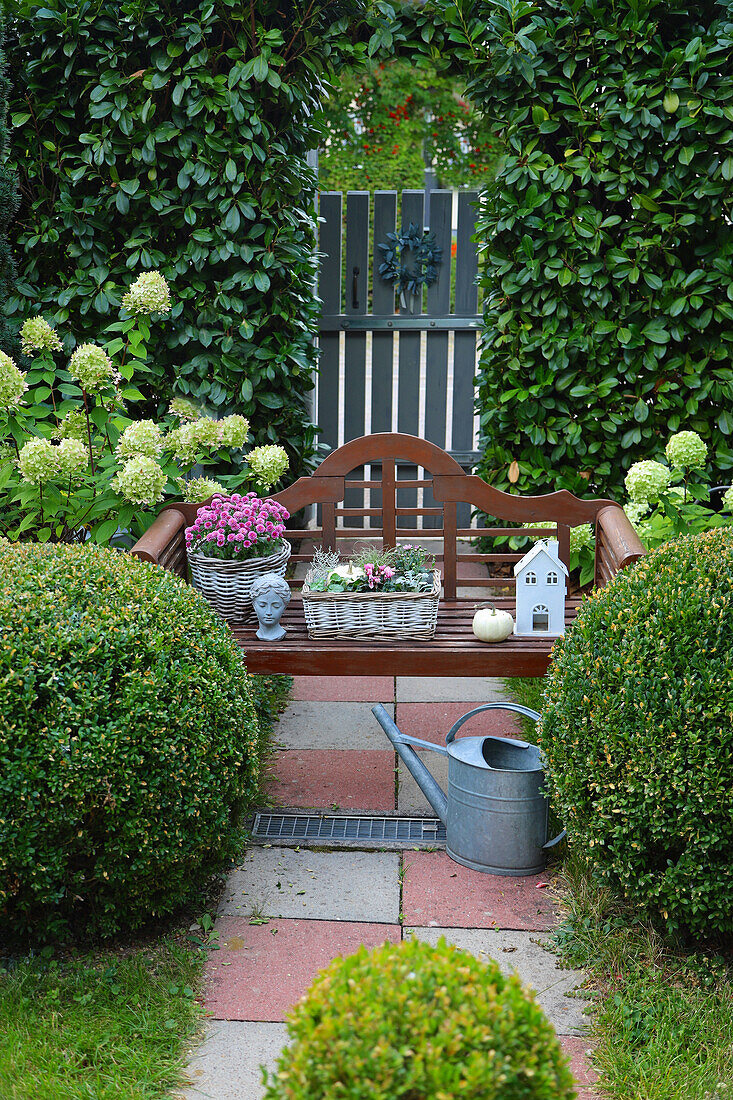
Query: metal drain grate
{"x": 375, "y": 830}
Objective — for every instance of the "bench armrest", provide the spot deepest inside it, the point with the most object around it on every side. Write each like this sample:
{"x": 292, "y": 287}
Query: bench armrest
{"x": 617, "y": 544}
{"x": 164, "y": 543}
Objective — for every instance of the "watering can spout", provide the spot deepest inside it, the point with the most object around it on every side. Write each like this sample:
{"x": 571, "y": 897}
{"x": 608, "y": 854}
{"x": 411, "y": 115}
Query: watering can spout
{"x": 403, "y": 747}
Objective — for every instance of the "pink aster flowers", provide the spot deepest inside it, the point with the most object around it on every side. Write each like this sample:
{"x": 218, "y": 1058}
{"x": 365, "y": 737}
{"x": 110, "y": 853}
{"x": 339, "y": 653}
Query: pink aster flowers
{"x": 237, "y": 526}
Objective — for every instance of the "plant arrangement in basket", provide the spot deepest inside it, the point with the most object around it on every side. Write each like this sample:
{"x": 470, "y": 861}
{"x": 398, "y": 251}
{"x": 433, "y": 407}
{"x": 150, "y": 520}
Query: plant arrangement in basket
{"x": 74, "y": 464}
{"x": 404, "y": 568}
{"x": 236, "y": 527}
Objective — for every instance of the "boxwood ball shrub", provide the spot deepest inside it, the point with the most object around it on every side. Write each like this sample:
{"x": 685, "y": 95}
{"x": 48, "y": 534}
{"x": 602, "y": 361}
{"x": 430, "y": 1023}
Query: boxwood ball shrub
{"x": 128, "y": 741}
{"x": 638, "y": 732}
{"x": 412, "y": 1020}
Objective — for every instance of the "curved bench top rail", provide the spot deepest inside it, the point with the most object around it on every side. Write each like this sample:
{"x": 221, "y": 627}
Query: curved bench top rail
{"x": 395, "y": 446}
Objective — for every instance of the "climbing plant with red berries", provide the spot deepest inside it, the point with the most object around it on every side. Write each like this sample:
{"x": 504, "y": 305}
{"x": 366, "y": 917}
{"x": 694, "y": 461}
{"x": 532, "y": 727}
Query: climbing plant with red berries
{"x": 382, "y": 124}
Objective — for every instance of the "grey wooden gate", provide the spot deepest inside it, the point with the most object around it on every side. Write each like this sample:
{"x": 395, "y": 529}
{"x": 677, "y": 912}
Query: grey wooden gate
{"x": 384, "y": 368}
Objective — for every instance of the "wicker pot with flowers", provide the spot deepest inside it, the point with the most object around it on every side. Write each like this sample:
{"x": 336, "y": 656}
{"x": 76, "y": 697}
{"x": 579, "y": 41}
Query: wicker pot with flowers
{"x": 390, "y": 593}
{"x": 232, "y": 542}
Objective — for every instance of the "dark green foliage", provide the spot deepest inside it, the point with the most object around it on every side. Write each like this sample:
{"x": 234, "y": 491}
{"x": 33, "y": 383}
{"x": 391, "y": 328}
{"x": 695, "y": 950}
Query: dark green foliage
{"x": 414, "y": 1020}
{"x": 638, "y": 731}
{"x": 128, "y": 741}
{"x": 607, "y": 251}
{"x": 174, "y": 136}
{"x": 8, "y": 206}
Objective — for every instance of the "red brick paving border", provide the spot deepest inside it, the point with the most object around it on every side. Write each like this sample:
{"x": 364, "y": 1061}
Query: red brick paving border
{"x": 577, "y": 1047}
{"x": 323, "y": 778}
{"x": 431, "y": 721}
{"x": 437, "y": 891}
{"x": 262, "y": 970}
{"x": 343, "y": 689}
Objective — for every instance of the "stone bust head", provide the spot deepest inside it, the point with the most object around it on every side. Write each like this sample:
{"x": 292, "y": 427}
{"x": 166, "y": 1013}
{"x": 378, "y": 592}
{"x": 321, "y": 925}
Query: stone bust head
{"x": 270, "y": 595}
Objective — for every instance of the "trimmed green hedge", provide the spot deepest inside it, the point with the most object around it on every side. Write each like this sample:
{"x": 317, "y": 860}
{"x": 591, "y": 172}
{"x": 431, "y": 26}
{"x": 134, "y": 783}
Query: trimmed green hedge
{"x": 128, "y": 741}
{"x": 174, "y": 136}
{"x": 605, "y": 238}
{"x": 412, "y": 1020}
{"x": 637, "y": 727}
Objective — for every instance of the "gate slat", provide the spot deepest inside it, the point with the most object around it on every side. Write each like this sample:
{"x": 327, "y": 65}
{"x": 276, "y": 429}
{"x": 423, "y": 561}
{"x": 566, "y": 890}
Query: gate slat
{"x": 383, "y": 298}
{"x": 409, "y": 378}
{"x": 438, "y": 296}
{"x": 329, "y": 291}
{"x": 464, "y": 357}
{"x": 357, "y": 293}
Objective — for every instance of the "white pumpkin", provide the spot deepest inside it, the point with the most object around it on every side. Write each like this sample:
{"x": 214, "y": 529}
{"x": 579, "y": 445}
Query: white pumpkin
{"x": 490, "y": 625}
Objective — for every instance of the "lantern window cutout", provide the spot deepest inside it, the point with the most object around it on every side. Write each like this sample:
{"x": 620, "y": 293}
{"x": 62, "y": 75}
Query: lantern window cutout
{"x": 541, "y": 618}
{"x": 541, "y": 586}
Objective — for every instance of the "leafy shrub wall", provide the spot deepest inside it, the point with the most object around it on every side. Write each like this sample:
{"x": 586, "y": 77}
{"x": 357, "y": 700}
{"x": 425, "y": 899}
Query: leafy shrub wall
{"x": 8, "y": 205}
{"x": 175, "y": 136}
{"x": 607, "y": 252}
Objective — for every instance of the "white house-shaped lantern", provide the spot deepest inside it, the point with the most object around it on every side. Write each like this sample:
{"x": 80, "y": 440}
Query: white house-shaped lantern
{"x": 541, "y": 586}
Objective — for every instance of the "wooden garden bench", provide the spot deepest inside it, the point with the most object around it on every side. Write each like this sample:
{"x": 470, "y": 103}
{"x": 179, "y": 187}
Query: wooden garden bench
{"x": 447, "y": 492}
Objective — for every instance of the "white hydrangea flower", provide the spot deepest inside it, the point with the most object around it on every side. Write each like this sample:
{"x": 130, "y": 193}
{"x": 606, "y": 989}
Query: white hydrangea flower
{"x": 646, "y": 481}
{"x": 12, "y": 383}
{"x": 142, "y": 438}
{"x": 72, "y": 426}
{"x": 92, "y": 368}
{"x": 207, "y": 432}
{"x": 148, "y": 294}
{"x": 234, "y": 430}
{"x": 183, "y": 444}
{"x": 268, "y": 464}
{"x": 141, "y": 481}
{"x": 72, "y": 457}
{"x": 38, "y": 461}
{"x": 727, "y": 500}
{"x": 37, "y": 335}
{"x": 581, "y": 536}
{"x": 635, "y": 512}
{"x": 199, "y": 489}
{"x": 686, "y": 449}
{"x": 184, "y": 408}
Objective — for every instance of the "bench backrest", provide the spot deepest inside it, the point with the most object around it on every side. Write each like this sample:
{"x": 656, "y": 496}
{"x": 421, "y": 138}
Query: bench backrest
{"x": 445, "y": 486}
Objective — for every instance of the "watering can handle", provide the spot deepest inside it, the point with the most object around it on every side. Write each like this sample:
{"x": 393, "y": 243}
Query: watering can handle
{"x": 493, "y": 706}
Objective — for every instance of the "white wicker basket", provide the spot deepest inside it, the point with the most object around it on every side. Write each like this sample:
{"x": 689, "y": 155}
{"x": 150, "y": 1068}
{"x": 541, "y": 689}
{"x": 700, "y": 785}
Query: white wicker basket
{"x": 371, "y": 614}
{"x": 227, "y": 584}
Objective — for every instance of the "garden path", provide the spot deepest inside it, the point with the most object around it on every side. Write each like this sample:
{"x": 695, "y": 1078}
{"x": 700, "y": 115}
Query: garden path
{"x": 287, "y": 911}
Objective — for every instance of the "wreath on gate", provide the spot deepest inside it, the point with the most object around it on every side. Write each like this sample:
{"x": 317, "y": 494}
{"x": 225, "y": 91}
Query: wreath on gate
{"x": 427, "y": 259}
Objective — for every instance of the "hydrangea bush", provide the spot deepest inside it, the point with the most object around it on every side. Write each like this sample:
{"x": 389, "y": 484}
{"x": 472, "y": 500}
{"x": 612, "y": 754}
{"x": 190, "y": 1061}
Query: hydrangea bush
{"x": 76, "y": 464}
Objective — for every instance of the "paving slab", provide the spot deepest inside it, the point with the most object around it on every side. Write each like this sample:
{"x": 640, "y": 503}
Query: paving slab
{"x": 335, "y": 779}
{"x": 370, "y": 689}
{"x": 580, "y": 1050}
{"x": 438, "y": 892}
{"x": 410, "y": 799}
{"x": 309, "y": 724}
{"x": 343, "y": 885}
{"x": 431, "y": 721}
{"x": 430, "y": 689}
{"x": 261, "y": 970}
{"x": 227, "y": 1064}
{"x": 521, "y": 953}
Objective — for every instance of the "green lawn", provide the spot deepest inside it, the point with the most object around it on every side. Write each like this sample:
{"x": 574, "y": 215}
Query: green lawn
{"x": 664, "y": 1018}
{"x": 103, "y": 1025}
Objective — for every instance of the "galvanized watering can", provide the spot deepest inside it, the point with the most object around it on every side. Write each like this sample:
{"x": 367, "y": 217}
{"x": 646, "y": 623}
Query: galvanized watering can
{"x": 495, "y": 812}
